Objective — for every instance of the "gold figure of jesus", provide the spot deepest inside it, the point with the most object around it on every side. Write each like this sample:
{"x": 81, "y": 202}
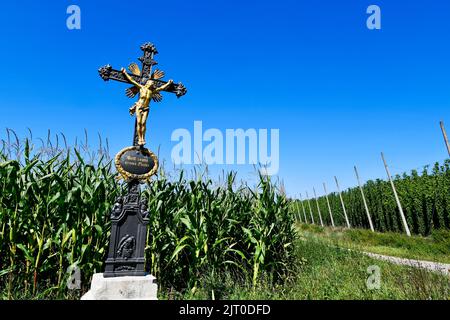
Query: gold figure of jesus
{"x": 147, "y": 92}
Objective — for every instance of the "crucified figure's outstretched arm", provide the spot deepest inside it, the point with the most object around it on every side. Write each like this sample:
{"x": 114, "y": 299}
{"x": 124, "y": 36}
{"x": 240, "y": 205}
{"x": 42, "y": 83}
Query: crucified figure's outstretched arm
{"x": 129, "y": 78}
{"x": 164, "y": 86}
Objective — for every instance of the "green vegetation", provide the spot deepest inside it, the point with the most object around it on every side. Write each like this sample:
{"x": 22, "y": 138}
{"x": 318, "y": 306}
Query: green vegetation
{"x": 321, "y": 271}
{"x": 54, "y": 209}
{"x": 206, "y": 240}
{"x": 424, "y": 198}
{"x": 199, "y": 228}
{"x": 435, "y": 247}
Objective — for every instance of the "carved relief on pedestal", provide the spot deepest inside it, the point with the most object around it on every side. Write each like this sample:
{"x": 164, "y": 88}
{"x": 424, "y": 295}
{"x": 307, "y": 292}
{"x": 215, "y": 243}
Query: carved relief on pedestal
{"x": 126, "y": 247}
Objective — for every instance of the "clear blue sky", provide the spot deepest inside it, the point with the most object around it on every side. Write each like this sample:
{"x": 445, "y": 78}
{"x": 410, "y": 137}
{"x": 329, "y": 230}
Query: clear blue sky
{"x": 338, "y": 92}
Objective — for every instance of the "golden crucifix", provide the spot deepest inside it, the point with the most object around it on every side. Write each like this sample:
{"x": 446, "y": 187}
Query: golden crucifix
{"x": 147, "y": 91}
{"x": 145, "y": 83}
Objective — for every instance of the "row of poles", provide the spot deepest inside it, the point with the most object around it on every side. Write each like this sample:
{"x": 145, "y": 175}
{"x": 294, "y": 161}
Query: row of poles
{"x": 402, "y": 215}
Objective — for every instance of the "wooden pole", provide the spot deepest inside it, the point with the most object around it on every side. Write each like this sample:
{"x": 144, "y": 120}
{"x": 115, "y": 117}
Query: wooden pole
{"x": 364, "y": 200}
{"x": 318, "y": 209}
{"x": 298, "y": 212}
{"x": 342, "y": 202}
{"x": 328, "y": 203}
{"x": 310, "y": 210}
{"x": 445, "y": 137}
{"x": 303, "y": 207}
{"x": 405, "y": 224}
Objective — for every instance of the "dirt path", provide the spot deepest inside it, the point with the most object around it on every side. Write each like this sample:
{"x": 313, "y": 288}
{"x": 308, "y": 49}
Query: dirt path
{"x": 433, "y": 266}
{"x": 443, "y": 268}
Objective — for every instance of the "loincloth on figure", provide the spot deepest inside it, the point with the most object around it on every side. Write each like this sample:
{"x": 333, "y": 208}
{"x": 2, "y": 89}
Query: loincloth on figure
{"x": 139, "y": 108}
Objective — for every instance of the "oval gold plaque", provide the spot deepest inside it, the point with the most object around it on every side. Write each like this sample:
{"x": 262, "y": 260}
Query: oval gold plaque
{"x": 136, "y": 163}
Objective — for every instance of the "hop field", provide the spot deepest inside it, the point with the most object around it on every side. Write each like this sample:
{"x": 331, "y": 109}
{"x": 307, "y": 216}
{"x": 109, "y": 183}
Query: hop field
{"x": 425, "y": 199}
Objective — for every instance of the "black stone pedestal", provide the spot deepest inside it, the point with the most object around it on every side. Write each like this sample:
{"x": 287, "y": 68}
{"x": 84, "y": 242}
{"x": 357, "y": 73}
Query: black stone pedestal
{"x": 129, "y": 219}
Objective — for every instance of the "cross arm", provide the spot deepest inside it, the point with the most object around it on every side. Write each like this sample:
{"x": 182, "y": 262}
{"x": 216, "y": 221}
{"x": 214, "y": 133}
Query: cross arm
{"x": 108, "y": 73}
{"x": 178, "y": 88}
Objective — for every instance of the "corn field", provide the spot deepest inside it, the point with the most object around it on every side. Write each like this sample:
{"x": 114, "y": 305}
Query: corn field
{"x": 54, "y": 216}
{"x": 424, "y": 196}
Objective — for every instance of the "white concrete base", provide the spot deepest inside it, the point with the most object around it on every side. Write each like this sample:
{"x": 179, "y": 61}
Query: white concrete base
{"x": 122, "y": 288}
